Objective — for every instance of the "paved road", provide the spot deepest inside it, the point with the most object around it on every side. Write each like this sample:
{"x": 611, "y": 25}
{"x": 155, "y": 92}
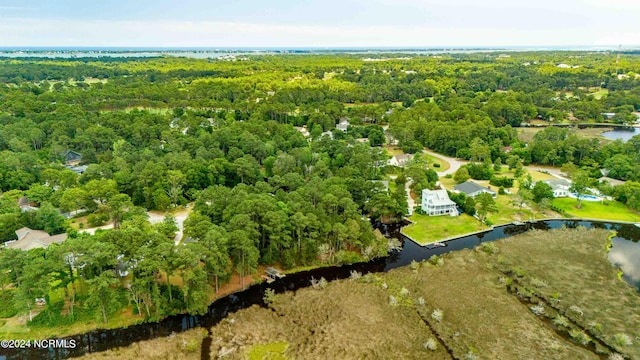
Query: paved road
{"x": 457, "y": 163}
{"x": 454, "y": 163}
{"x": 154, "y": 218}
{"x": 411, "y": 204}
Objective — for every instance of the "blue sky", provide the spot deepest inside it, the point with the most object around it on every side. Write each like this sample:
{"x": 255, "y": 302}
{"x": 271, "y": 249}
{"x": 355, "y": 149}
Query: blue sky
{"x": 329, "y": 23}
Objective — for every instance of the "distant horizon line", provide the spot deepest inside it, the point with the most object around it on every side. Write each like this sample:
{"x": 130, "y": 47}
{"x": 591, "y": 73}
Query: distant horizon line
{"x": 311, "y": 48}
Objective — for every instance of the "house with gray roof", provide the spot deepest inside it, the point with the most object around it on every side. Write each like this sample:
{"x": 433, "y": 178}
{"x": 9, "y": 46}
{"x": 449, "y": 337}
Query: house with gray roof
{"x": 471, "y": 189}
{"x": 437, "y": 202}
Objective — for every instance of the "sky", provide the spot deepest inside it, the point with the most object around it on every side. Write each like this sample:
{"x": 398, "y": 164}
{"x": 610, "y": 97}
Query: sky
{"x": 310, "y": 23}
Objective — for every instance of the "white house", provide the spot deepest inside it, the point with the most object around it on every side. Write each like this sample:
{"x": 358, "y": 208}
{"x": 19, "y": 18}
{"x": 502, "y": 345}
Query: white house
{"x": 343, "y": 125}
{"x": 560, "y": 187}
{"x": 400, "y": 160}
{"x": 437, "y": 202}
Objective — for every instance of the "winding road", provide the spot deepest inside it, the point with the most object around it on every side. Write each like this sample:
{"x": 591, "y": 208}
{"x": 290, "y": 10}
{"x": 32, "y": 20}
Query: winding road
{"x": 455, "y": 164}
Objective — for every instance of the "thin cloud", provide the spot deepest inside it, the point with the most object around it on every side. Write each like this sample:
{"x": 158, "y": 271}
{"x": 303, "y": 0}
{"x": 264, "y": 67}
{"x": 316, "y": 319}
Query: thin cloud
{"x": 170, "y": 33}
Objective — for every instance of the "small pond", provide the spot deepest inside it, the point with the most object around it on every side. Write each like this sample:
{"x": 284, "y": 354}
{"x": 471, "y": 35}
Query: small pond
{"x": 622, "y": 134}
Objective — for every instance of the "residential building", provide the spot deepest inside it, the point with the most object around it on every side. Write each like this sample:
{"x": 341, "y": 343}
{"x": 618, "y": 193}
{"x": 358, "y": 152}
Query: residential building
{"x": 560, "y": 187}
{"x": 25, "y": 205}
{"x": 400, "y": 160}
{"x": 472, "y": 189}
{"x": 72, "y": 158}
{"x": 343, "y": 124}
{"x": 437, "y": 202}
{"x": 31, "y": 239}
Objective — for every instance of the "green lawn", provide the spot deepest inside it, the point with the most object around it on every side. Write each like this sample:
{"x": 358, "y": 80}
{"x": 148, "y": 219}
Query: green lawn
{"x": 595, "y": 210}
{"x": 508, "y": 213}
{"x": 444, "y": 165}
{"x": 599, "y": 94}
{"x": 428, "y": 229}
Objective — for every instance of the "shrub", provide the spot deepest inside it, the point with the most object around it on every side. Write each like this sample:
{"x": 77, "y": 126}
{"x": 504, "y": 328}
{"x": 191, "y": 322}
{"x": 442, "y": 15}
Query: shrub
{"x": 431, "y": 344}
{"x": 437, "y": 315}
{"x": 502, "y": 181}
{"x": 537, "y": 309}
{"x": 393, "y": 301}
{"x": 615, "y": 356}
{"x": 579, "y": 336}
{"x": 355, "y": 275}
{"x": 269, "y": 296}
{"x": 319, "y": 284}
{"x": 404, "y": 291}
{"x": 538, "y": 283}
{"x": 436, "y": 165}
{"x": 436, "y": 260}
{"x": 95, "y": 219}
{"x": 414, "y": 265}
{"x": 561, "y": 321}
{"x": 489, "y": 248}
{"x": 621, "y": 339}
{"x": 421, "y": 301}
{"x": 595, "y": 326}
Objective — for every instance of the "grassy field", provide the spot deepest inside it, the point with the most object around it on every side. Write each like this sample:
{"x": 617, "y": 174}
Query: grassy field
{"x": 526, "y": 134}
{"x": 444, "y": 165}
{"x": 596, "y": 210}
{"x": 470, "y": 304}
{"x": 346, "y": 320}
{"x": 427, "y": 229}
{"x": 508, "y": 212}
{"x": 183, "y": 346}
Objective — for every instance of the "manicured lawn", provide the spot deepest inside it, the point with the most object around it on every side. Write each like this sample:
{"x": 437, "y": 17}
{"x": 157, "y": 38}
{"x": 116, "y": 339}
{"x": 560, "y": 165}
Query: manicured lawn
{"x": 444, "y": 165}
{"x": 428, "y": 229}
{"x": 596, "y": 210}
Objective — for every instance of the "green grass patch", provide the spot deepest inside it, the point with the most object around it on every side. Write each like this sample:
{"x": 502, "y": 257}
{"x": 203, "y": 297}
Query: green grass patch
{"x": 271, "y": 351}
{"x": 508, "y": 213}
{"x": 444, "y": 165}
{"x": 613, "y": 210}
{"x": 428, "y": 229}
{"x": 599, "y": 94}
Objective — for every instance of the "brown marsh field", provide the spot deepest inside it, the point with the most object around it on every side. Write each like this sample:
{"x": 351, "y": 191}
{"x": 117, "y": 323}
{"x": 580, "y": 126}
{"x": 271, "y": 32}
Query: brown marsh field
{"x": 539, "y": 295}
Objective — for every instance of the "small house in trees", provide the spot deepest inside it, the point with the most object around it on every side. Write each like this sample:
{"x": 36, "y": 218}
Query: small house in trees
{"x": 437, "y": 202}
{"x": 25, "y": 205}
{"x": 472, "y": 189}
{"x": 31, "y": 239}
{"x": 72, "y": 158}
{"x": 400, "y": 160}
{"x": 343, "y": 124}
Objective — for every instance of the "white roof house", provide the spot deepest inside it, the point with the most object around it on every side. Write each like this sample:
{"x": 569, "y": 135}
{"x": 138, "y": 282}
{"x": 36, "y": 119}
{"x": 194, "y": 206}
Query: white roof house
{"x": 560, "y": 187}
{"x": 400, "y": 160}
{"x": 343, "y": 125}
{"x": 437, "y": 202}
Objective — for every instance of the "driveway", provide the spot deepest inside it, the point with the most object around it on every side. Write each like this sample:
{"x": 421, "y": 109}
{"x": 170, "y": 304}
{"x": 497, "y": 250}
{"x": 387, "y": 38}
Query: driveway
{"x": 154, "y": 218}
{"x": 454, "y": 164}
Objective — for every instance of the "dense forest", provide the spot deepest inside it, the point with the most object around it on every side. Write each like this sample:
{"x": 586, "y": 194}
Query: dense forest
{"x": 220, "y": 137}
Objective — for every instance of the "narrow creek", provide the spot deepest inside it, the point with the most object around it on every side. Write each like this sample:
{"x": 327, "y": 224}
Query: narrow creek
{"x": 100, "y": 340}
